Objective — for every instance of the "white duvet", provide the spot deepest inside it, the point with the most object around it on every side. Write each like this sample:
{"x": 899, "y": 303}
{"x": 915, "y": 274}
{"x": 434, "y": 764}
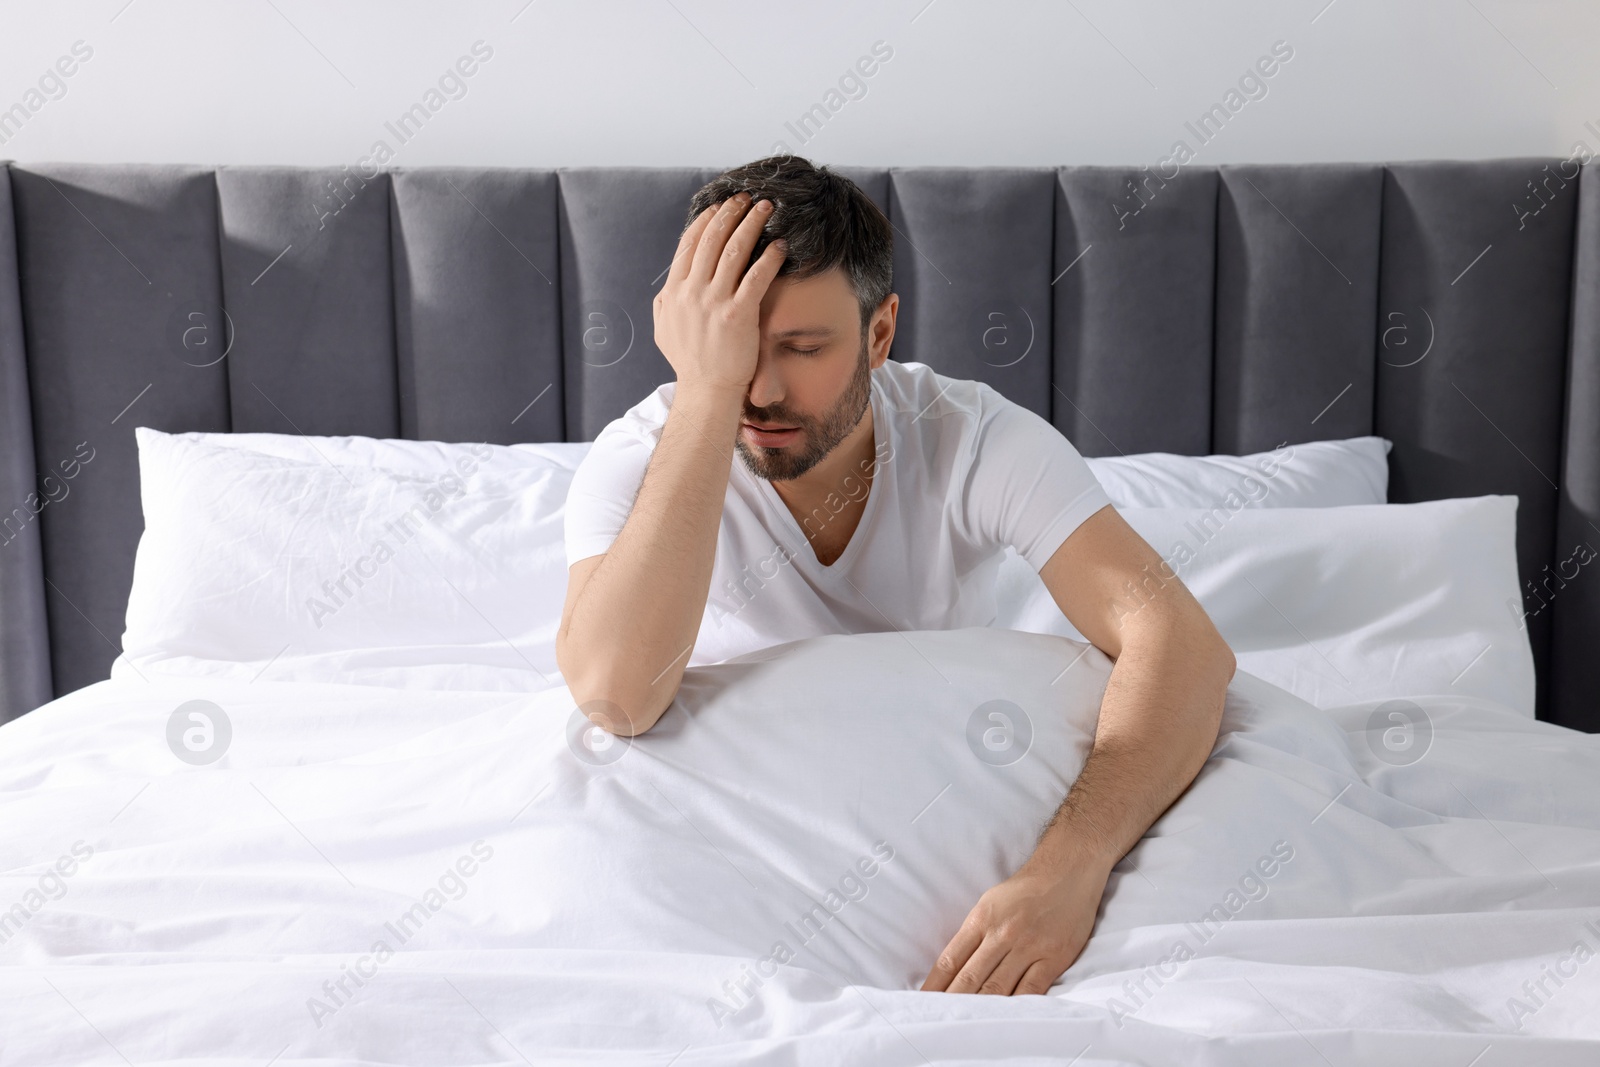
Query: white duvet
{"x": 377, "y": 875}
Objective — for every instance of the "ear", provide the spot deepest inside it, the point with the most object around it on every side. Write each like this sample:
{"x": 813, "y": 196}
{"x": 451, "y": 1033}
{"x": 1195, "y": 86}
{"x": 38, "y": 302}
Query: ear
{"x": 880, "y": 331}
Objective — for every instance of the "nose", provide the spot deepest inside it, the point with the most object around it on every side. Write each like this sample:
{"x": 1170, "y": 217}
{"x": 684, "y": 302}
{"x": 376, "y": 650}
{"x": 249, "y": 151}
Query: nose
{"x": 766, "y": 388}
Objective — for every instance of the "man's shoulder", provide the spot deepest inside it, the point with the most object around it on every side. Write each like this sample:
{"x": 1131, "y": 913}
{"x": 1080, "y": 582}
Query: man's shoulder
{"x": 645, "y": 420}
{"x": 925, "y": 401}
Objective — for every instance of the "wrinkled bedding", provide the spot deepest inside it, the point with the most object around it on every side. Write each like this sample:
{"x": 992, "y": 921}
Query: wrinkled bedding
{"x": 325, "y": 873}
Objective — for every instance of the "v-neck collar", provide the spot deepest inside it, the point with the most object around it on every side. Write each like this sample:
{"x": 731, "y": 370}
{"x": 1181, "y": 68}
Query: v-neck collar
{"x": 774, "y": 502}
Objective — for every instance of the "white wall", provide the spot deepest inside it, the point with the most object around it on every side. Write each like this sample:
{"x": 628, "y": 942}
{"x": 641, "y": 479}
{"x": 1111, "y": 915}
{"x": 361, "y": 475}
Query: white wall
{"x": 713, "y": 83}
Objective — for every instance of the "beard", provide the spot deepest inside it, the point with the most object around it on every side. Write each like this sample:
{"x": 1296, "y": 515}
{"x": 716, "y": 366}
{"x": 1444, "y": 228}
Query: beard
{"x": 821, "y": 435}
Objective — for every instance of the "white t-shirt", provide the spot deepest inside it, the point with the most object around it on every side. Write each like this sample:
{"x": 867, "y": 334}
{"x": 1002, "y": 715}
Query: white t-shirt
{"x": 961, "y": 473}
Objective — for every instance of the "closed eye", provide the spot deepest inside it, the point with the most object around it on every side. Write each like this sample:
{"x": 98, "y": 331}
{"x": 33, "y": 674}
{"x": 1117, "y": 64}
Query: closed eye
{"x": 805, "y": 351}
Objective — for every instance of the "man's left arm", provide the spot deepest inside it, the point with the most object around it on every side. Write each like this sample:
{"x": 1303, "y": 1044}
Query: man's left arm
{"x": 1158, "y": 722}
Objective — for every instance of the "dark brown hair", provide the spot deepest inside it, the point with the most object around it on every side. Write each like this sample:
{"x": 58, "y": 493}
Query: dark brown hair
{"x": 826, "y": 218}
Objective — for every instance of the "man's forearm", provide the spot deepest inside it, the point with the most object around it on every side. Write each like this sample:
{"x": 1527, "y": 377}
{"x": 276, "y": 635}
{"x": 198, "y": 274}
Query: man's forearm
{"x": 1158, "y": 723}
{"x": 633, "y": 626}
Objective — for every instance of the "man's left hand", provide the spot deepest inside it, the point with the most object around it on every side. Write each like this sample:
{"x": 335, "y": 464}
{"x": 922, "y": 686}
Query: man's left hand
{"x": 1024, "y": 933}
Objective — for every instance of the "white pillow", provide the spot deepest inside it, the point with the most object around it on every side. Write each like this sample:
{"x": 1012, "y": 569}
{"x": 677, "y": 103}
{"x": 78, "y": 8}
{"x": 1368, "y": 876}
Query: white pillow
{"x": 428, "y": 457}
{"x": 257, "y": 564}
{"x": 1339, "y": 605}
{"x": 165, "y": 639}
{"x": 947, "y": 752}
{"x": 1315, "y": 474}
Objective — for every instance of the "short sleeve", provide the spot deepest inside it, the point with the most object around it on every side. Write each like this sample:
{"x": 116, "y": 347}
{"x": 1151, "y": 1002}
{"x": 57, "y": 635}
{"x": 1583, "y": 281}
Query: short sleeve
{"x": 1027, "y": 486}
{"x": 603, "y": 491}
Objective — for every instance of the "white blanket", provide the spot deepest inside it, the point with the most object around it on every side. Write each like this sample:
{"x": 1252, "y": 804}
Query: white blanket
{"x": 371, "y": 875}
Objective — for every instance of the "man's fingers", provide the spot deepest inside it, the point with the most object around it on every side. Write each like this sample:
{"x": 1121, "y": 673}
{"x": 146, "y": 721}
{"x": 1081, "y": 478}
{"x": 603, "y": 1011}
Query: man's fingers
{"x": 687, "y": 241}
{"x": 758, "y": 279}
{"x": 1037, "y": 978}
{"x": 708, "y": 252}
{"x": 979, "y": 966}
{"x": 1002, "y": 981}
{"x": 736, "y": 253}
{"x": 953, "y": 958}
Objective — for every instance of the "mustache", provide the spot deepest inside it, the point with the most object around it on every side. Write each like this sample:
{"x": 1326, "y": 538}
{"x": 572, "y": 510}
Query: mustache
{"x": 775, "y": 415}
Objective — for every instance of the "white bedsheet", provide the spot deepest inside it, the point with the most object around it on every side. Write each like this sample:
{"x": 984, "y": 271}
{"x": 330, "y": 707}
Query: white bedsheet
{"x": 1411, "y": 907}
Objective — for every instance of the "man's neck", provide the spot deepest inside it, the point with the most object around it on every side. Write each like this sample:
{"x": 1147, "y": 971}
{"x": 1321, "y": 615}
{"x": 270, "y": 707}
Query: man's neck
{"x": 836, "y": 488}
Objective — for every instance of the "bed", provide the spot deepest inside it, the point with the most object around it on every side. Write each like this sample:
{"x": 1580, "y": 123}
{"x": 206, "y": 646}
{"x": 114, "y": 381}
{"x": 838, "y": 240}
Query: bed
{"x": 271, "y": 798}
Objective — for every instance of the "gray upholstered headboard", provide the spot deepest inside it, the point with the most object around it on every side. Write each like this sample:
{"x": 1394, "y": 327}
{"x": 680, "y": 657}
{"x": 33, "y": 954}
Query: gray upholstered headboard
{"x": 1451, "y": 307}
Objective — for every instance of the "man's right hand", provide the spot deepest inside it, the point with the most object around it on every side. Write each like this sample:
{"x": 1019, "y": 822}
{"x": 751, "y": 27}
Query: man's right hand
{"x": 708, "y": 314}
{"x": 633, "y": 614}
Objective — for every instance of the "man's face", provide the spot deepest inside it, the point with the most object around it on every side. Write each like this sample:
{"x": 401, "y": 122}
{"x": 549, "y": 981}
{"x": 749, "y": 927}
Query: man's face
{"x": 813, "y": 376}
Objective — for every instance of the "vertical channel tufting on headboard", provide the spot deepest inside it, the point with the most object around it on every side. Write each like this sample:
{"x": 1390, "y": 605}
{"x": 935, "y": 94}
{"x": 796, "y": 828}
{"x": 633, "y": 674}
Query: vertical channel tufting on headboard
{"x": 477, "y": 292}
{"x": 115, "y": 264}
{"x": 309, "y": 287}
{"x": 1216, "y": 310}
{"x": 972, "y": 258}
{"x": 1481, "y": 412}
{"x": 619, "y": 228}
{"x": 24, "y": 642}
{"x": 1297, "y": 279}
{"x": 1133, "y": 283}
{"x": 1575, "y": 604}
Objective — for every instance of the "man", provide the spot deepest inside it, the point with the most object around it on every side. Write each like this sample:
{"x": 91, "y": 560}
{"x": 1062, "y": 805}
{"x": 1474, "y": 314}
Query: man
{"x": 869, "y": 495}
